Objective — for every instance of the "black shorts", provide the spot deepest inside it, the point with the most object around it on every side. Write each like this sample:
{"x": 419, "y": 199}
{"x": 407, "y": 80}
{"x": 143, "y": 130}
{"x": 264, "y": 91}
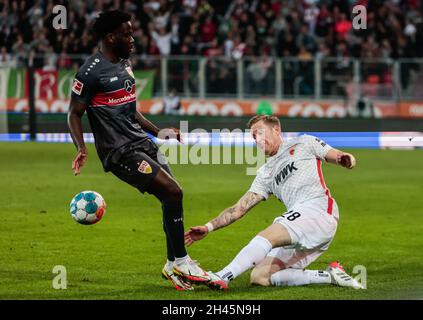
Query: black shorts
{"x": 137, "y": 164}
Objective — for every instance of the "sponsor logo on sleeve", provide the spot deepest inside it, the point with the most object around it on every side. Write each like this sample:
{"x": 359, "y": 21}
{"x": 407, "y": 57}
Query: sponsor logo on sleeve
{"x": 77, "y": 87}
{"x": 322, "y": 143}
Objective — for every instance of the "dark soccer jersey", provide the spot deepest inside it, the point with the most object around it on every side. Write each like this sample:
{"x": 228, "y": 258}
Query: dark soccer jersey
{"x": 108, "y": 89}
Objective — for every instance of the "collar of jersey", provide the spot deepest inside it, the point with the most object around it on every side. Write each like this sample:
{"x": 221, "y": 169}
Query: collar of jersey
{"x": 103, "y": 57}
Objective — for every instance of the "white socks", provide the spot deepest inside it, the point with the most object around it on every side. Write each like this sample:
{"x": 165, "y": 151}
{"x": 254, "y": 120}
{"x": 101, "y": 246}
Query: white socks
{"x": 179, "y": 261}
{"x": 252, "y": 254}
{"x": 299, "y": 277}
{"x": 169, "y": 266}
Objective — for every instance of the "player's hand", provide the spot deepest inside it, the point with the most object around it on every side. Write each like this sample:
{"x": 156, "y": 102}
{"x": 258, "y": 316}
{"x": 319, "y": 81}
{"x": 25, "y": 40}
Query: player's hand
{"x": 346, "y": 160}
{"x": 79, "y": 160}
{"x": 170, "y": 133}
{"x": 195, "y": 234}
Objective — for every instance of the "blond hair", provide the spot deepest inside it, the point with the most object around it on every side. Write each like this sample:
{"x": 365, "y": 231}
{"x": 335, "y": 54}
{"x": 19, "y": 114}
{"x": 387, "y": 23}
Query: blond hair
{"x": 272, "y": 120}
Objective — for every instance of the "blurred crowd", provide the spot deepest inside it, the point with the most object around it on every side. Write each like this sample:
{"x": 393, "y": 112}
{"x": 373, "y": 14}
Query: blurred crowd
{"x": 259, "y": 29}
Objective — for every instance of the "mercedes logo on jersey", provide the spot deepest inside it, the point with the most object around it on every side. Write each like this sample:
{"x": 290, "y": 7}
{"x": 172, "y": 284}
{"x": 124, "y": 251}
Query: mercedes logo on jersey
{"x": 128, "y": 86}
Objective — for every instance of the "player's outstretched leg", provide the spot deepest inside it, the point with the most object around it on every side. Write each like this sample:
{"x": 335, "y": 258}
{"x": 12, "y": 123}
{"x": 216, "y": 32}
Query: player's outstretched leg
{"x": 167, "y": 190}
{"x": 272, "y": 271}
{"x": 334, "y": 274}
{"x": 299, "y": 277}
{"x": 251, "y": 255}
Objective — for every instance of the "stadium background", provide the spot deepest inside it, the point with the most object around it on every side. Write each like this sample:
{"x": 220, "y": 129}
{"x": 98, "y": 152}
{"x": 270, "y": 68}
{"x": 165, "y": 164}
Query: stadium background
{"x": 226, "y": 60}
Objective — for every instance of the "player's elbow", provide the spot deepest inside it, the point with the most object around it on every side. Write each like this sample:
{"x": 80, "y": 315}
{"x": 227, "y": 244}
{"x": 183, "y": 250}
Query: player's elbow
{"x": 71, "y": 112}
{"x": 72, "y": 117}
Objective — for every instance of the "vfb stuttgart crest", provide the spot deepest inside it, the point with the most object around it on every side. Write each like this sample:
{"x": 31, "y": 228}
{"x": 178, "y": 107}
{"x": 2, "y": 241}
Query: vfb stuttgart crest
{"x": 145, "y": 167}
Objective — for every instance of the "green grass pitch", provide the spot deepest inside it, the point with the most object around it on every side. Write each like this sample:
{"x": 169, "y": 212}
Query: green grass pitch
{"x": 381, "y": 228}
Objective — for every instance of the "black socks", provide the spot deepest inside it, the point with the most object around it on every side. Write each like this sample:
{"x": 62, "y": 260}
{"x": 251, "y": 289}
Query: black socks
{"x": 173, "y": 225}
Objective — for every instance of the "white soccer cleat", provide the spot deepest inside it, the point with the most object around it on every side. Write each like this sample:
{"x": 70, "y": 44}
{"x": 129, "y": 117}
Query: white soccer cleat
{"x": 340, "y": 278}
{"x": 216, "y": 282}
{"x": 179, "y": 283}
{"x": 190, "y": 271}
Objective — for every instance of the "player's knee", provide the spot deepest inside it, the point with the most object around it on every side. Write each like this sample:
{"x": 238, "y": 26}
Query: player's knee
{"x": 260, "y": 277}
{"x": 174, "y": 193}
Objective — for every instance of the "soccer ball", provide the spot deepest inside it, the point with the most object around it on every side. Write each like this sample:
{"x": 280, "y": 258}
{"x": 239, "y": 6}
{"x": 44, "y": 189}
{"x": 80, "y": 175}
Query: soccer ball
{"x": 87, "y": 207}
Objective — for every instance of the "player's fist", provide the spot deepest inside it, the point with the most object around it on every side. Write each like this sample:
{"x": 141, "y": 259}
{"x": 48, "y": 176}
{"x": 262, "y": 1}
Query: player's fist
{"x": 346, "y": 160}
{"x": 170, "y": 133}
{"x": 195, "y": 234}
{"x": 79, "y": 160}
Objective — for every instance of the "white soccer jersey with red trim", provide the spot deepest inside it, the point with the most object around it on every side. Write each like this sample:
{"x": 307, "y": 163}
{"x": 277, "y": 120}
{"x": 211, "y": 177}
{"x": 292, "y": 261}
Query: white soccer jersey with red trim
{"x": 294, "y": 174}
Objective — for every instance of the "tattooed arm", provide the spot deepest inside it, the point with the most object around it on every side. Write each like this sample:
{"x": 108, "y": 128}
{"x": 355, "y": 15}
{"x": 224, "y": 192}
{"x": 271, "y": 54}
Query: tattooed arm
{"x": 237, "y": 211}
{"x": 228, "y": 216}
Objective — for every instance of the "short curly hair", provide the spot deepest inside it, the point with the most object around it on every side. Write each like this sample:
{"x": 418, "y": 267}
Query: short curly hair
{"x": 108, "y": 21}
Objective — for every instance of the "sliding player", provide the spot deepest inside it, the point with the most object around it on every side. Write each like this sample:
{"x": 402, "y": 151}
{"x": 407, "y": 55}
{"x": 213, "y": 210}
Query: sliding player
{"x": 280, "y": 253}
